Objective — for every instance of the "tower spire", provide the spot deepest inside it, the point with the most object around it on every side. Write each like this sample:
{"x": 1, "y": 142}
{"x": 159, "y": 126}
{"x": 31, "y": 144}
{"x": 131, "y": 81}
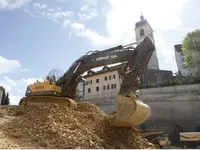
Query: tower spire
{"x": 141, "y": 17}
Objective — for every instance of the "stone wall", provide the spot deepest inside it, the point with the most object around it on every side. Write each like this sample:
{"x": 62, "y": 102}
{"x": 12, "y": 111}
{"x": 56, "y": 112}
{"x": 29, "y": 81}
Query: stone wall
{"x": 170, "y": 106}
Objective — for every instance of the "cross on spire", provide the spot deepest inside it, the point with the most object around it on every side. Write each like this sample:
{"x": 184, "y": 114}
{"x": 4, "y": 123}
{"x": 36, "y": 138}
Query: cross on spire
{"x": 141, "y": 17}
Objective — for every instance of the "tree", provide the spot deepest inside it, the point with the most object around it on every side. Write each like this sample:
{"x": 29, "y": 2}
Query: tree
{"x": 55, "y": 74}
{"x": 5, "y": 98}
{"x": 191, "y": 49}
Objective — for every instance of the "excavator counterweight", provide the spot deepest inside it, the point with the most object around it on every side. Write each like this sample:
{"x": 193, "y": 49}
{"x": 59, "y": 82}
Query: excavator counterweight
{"x": 131, "y": 111}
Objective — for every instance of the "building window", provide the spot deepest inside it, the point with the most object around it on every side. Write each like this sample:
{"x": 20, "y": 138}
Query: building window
{"x": 97, "y": 88}
{"x": 106, "y": 78}
{"x": 114, "y": 86}
{"x": 111, "y": 86}
{"x": 109, "y": 77}
{"x": 108, "y": 87}
{"x": 97, "y": 80}
{"x": 104, "y": 87}
{"x": 141, "y": 32}
{"x": 89, "y": 90}
{"x": 105, "y": 69}
{"x": 90, "y": 81}
{"x": 114, "y": 76}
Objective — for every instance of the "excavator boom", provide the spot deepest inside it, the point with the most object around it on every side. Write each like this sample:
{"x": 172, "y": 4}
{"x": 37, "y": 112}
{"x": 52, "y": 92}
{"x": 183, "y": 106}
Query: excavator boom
{"x": 131, "y": 111}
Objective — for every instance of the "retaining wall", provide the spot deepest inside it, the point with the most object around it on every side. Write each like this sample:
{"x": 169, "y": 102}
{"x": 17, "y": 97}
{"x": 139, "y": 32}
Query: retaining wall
{"x": 169, "y": 106}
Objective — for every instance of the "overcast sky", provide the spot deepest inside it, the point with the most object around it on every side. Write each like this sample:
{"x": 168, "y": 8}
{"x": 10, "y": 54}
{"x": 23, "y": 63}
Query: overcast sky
{"x": 38, "y": 35}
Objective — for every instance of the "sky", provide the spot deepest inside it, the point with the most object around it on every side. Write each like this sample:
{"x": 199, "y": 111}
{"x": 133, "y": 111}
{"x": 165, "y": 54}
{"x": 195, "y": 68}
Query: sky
{"x": 39, "y": 35}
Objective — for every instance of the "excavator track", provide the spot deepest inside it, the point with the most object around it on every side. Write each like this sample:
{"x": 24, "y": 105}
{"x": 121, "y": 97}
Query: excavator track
{"x": 45, "y": 100}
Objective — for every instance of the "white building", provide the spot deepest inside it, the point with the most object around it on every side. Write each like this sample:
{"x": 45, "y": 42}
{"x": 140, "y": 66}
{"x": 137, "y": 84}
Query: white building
{"x": 180, "y": 61}
{"x": 143, "y": 29}
{"x": 102, "y": 85}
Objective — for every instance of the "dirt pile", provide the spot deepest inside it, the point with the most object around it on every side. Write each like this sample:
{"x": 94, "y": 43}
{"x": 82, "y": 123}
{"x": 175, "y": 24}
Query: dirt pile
{"x": 55, "y": 126}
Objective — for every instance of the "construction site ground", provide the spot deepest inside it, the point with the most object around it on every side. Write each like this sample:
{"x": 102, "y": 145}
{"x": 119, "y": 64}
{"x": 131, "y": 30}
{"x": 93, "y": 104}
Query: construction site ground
{"x": 57, "y": 126}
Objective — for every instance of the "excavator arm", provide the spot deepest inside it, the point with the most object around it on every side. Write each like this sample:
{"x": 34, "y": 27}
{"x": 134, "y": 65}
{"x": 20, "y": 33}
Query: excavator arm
{"x": 131, "y": 111}
{"x": 137, "y": 59}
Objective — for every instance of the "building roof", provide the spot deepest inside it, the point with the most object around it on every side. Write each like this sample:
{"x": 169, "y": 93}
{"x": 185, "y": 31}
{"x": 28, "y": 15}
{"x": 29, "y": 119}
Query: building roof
{"x": 142, "y": 23}
{"x": 109, "y": 69}
{"x": 178, "y": 47}
{"x": 119, "y": 67}
{"x": 1, "y": 88}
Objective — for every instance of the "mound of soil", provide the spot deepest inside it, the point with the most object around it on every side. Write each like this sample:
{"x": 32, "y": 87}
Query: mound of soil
{"x": 57, "y": 126}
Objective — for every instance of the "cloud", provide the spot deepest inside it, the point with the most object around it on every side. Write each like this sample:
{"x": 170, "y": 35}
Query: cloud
{"x": 7, "y": 66}
{"x": 54, "y": 14}
{"x": 24, "y": 70}
{"x": 12, "y": 4}
{"x": 39, "y": 6}
{"x": 88, "y": 12}
{"x": 80, "y": 30}
{"x": 90, "y": 2}
{"x": 158, "y": 13}
{"x": 121, "y": 17}
{"x": 16, "y": 88}
{"x": 14, "y": 100}
{"x": 95, "y": 38}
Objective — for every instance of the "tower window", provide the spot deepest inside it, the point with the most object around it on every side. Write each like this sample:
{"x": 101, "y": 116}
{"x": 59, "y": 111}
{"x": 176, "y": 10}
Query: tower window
{"x": 141, "y": 32}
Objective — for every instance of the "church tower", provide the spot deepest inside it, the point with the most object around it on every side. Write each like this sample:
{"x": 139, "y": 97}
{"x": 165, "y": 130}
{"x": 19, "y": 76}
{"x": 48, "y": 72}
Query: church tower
{"x": 143, "y": 29}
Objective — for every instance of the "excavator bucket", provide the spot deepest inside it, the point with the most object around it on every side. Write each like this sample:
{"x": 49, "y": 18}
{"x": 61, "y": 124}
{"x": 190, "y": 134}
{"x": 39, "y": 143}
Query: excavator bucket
{"x": 131, "y": 112}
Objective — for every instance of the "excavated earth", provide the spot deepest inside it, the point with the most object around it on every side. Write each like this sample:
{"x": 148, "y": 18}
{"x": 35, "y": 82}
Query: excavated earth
{"x": 57, "y": 126}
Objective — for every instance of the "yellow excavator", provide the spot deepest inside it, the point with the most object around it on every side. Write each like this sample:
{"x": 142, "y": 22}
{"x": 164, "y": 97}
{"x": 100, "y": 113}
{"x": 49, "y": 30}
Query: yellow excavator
{"x": 131, "y": 111}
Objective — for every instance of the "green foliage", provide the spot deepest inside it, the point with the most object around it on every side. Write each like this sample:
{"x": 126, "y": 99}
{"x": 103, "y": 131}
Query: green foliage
{"x": 7, "y": 101}
{"x": 191, "y": 49}
{"x": 5, "y": 98}
{"x": 175, "y": 81}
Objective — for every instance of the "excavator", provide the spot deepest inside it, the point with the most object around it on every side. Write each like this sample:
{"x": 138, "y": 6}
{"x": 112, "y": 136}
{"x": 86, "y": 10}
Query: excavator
{"x": 131, "y": 111}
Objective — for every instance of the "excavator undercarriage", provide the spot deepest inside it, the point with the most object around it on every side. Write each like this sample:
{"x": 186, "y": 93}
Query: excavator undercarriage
{"x": 131, "y": 111}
